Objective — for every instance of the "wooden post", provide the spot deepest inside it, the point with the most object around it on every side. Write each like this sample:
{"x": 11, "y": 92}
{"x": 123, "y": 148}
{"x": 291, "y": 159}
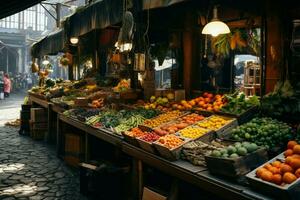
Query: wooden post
{"x": 187, "y": 54}
{"x": 137, "y": 178}
{"x": 274, "y": 44}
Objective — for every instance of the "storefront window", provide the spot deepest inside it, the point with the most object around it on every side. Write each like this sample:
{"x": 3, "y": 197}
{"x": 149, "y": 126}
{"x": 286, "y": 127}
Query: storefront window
{"x": 163, "y": 72}
{"x": 232, "y": 62}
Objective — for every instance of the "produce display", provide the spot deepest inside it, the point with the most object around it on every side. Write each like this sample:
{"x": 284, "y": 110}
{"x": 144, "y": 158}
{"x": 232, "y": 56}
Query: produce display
{"x": 283, "y": 102}
{"x": 206, "y": 102}
{"x": 162, "y": 118}
{"x": 98, "y": 103}
{"x": 238, "y": 103}
{"x": 195, "y": 151}
{"x": 123, "y": 86}
{"x": 149, "y": 137}
{"x": 170, "y": 141}
{"x": 192, "y": 132}
{"x": 122, "y": 120}
{"x": 234, "y": 151}
{"x": 178, "y": 124}
{"x": 282, "y": 172}
{"x": 266, "y": 132}
{"x": 214, "y": 122}
{"x": 81, "y": 113}
{"x": 135, "y": 132}
{"x": 129, "y": 123}
{"x": 157, "y": 101}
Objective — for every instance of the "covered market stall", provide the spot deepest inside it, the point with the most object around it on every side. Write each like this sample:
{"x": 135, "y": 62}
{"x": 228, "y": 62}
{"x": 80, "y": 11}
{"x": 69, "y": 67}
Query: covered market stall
{"x": 182, "y": 98}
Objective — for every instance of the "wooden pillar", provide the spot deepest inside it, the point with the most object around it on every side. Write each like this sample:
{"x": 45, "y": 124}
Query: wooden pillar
{"x": 188, "y": 53}
{"x": 274, "y": 45}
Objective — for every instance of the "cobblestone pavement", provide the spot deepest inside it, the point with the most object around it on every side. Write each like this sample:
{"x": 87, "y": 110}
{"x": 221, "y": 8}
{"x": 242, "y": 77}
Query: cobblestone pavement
{"x": 30, "y": 169}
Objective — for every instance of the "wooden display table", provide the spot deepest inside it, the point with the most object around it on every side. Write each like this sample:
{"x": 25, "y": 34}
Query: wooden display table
{"x": 181, "y": 170}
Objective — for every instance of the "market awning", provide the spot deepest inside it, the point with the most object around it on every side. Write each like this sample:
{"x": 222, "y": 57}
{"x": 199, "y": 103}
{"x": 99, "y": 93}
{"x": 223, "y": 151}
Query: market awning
{"x": 149, "y": 4}
{"x": 10, "y": 7}
{"x": 98, "y": 15}
{"x": 49, "y": 45}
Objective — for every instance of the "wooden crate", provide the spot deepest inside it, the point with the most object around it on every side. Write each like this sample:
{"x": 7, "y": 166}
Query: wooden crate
{"x": 81, "y": 102}
{"x": 170, "y": 154}
{"x": 38, "y": 130}
{"x": 151, "y": 195}
{"x": 236, "y": 167}
{"x": 38, "y": 125}
{"x": 38, "y": 115}
{"x": 288, "y": 191}
{"x": 38, "y": 134}
{"x": 243, "y": 117}
{"x": 73, "y": 149}
{"x": 206, "y": 137}
{"x": 226, "y": 128}
{"x": 130, "y": 140}
{"x": 147, "y": 146}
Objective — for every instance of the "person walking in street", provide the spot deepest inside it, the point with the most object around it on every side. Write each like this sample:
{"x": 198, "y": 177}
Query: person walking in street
{"x": 7, "y": 85}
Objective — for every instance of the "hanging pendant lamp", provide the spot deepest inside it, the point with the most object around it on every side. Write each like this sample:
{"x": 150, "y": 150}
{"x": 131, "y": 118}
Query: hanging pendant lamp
{"x": 215, "y": 27}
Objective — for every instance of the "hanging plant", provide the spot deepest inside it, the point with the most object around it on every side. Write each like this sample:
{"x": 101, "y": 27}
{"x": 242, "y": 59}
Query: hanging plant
{"x": 64, "y": 61}
{"x": 236, "y": 40}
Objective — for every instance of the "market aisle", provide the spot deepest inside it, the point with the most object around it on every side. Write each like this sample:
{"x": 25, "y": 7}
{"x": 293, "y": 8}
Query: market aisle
{"x": 30, "y": 169}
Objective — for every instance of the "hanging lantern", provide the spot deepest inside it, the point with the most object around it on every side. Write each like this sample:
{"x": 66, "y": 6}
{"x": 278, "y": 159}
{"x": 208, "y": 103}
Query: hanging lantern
{"x": 215, "y": 27}
{"x": 34, "y": 66}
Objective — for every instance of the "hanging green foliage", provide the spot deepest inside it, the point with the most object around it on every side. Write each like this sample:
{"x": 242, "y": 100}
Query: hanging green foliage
{"x": 237, "y": 39}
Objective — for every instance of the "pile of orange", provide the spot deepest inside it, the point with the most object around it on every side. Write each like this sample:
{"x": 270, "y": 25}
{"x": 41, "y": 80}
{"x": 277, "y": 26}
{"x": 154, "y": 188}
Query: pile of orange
{"x": 286, "y": 172}
{"x": 207, "y": 102}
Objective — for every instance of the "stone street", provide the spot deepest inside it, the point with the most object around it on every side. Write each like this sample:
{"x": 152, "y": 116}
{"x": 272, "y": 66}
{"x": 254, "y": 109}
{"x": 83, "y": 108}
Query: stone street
{"x": 30, "y": 169}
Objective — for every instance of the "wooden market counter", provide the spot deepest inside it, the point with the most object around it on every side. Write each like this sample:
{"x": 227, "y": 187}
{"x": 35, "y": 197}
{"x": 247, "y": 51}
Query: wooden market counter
{"x": 180, "y": 169}
{"x": 52, "y": 114}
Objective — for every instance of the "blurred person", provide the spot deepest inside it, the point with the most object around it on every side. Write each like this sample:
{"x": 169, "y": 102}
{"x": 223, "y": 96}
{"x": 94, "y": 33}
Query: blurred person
{"x": 7, "y": 85}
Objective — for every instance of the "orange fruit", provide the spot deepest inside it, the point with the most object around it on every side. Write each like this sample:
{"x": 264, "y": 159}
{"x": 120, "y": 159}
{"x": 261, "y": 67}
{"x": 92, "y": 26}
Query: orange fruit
{"x": 296, "y": 149}
{"x": 274, "y": 170}
{"x": 286, "y": 168}
{"x": 204, "y": 106}
{"x": 218, "y": 96}
{"x": 268, "y": 166}
{"x": 288, "y": 152}
{"x": 289, "y": 177}
{"x": 210, "y": 95}
{"x": 201, "y": 103}
{"x": 297, "y": 173}
{"x": 295, "y": 163}
{"x": 291, "y": 144}
{"x": 276, "y": 164}
{"x": 288, "y": 160}
{"x": 209, "y": 108}
{"x": 266, "y": 176}
{"x": 277, "y": 179}
{"x": 207, "y": 100}
{"x": 260, "y": 171}
{"x": 296, "y": 156}
{"x": 192, "y": 102}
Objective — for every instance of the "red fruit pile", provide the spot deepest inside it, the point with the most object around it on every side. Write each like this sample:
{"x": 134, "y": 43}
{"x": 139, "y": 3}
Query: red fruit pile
{"x": 150, "y": 137}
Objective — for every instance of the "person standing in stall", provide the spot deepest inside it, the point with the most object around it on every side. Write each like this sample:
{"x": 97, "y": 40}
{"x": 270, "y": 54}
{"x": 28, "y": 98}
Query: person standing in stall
{"x": 7, "y": 85}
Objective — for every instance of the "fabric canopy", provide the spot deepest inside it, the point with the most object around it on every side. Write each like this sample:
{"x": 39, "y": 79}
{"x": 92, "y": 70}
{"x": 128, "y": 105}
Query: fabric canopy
{"x": 98, "y": 15}
{"x": 49, "y": 45}
{"x": 10, "y": 7}
{"x": 149, "y": 4}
